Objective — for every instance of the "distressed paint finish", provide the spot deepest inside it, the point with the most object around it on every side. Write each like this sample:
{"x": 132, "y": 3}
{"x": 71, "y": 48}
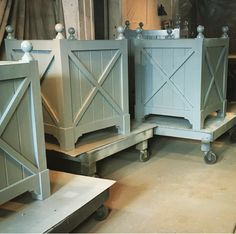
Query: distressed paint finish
{"x": 22, "y": 151}
{"x": 84, "y": 86}
{"x": 183, "y": 78}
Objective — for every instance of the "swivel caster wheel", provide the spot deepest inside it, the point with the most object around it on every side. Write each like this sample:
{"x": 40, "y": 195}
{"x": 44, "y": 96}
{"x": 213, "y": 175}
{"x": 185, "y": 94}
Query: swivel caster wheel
{"x": 101, "y": 213}
{"x": 210, "y": 157}
{"x": 144, "y": 155}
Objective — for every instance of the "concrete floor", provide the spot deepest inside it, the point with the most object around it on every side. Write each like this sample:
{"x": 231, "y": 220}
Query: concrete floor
{"x": 175, "y": 191}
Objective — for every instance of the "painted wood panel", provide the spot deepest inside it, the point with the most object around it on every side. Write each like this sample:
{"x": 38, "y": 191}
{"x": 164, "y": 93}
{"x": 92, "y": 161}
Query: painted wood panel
{"x": 22, "y": 152}
{"x": 183, "y": 78}
{"x": 84, "y": 86}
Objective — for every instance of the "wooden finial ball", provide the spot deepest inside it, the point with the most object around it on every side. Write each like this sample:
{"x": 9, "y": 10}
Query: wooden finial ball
{"x": 141, "y": 24}
{"x": 200, "y": 29}
{"x": 120, "y": 29}
{"x": 26, "y": 46}
{"x": 169, "y": 31}
{"x": 71, "y": 30}
{"x": 9, "y": 29}
{"x": 225, "y": 29}
{"x": 127, "y": 23}
{"x": 138, "y": 30}
{"x": 59, "y": 28}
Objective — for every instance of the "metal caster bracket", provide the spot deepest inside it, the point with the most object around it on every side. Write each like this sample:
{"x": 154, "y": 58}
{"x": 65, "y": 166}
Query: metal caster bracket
{"x": 144, "y": 155}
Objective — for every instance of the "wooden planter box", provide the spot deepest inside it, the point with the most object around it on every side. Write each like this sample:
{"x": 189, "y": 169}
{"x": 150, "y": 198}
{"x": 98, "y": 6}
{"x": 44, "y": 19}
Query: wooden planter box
{"x": 22, "y": 147}
{"x": 182, "y": 78}
{"x": 84, "y": 86}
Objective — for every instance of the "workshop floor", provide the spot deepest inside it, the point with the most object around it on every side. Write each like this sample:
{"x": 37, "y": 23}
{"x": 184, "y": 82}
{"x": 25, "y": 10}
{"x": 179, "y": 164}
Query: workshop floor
{"x": 175, "y": 191}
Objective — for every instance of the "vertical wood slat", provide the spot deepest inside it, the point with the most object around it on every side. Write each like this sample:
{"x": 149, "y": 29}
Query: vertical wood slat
{"x": 75, "y": 87}
{"x": 79, "y": 14}
{"x": 38, "y": 143}
{"x": 7, "y": 88}
{"x": 116, "y": 73}
{"x": 97, "y": 71}
{"x": 20, "y": 168}
{"x": 3, "y": 173}
{"x": 25, "y": 130}
{"x": 85, "y": 86}
{"x": 107, "y": 85}
{"x": 13, "y": 168}
{"x": 112, "y": 87}
{"x": 179, "y": 78}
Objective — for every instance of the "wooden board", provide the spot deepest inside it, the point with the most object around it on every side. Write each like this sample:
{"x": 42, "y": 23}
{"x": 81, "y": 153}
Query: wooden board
{"x": 70, "y": 193}
{"x": 96, "y": 140}
{"x": 180, "y": 127}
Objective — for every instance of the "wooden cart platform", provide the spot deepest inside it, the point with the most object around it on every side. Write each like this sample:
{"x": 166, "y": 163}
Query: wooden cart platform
{"x": 179, "y": 127}
{"x": 73, "y": 199}
{"x": 97, "y": 146}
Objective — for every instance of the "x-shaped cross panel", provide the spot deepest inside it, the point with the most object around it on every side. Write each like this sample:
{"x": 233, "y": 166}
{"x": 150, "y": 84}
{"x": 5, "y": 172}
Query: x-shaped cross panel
{"x": 213, "y": 75}
{"x": 50, "y": 57}
{"x": 6, "y": 118}
{"x": 167, "y": 77}
{"x": 97, "y": 85}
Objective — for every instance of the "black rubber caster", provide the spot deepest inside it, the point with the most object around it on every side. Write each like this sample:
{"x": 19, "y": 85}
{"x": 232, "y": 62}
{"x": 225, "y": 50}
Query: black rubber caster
{"x": 233, "y": 136}
{"x": 101, "y": 213}
{"x": 210, "y": 157}
{"x": 144, "y": 155}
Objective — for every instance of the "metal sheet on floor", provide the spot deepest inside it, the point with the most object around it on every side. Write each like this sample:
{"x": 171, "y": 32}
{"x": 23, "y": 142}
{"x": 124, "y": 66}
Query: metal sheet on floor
{"x": 74, "y": 198}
